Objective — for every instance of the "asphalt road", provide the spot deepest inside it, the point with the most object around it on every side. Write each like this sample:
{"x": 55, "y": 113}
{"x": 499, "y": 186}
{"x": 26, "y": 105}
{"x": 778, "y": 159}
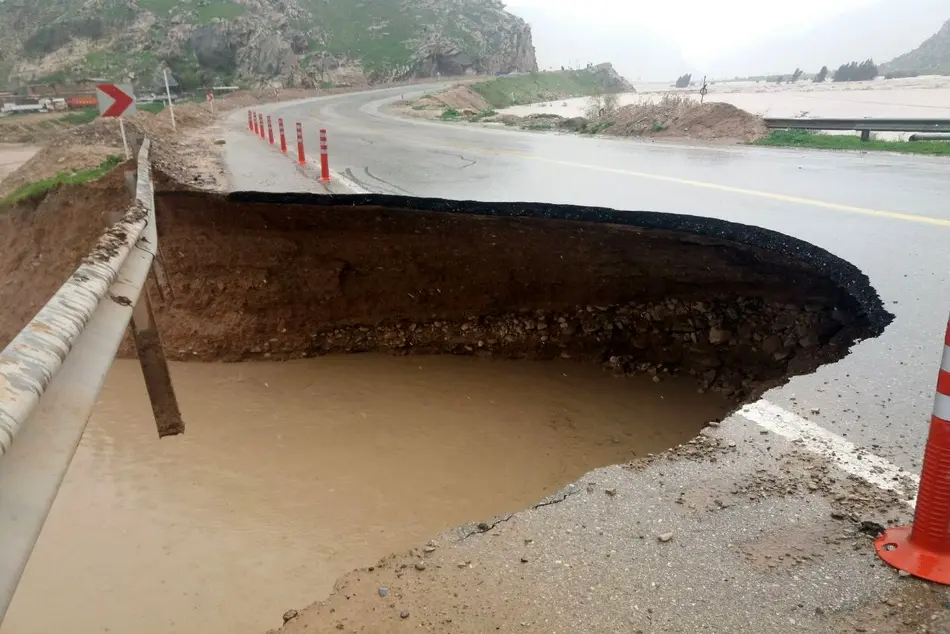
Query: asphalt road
{"x": 887, "y": 214}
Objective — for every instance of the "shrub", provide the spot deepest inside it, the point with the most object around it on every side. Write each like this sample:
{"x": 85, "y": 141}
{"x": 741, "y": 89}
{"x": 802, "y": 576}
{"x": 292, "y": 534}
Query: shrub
{"x": 450, "y": 114}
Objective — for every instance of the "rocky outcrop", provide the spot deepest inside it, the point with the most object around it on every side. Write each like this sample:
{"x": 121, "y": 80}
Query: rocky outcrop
{"x": 278, "y": 42}
{"x": 933, "y": 56}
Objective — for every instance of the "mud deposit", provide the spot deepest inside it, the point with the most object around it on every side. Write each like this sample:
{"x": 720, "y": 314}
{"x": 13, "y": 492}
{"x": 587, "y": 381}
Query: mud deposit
{"x": 292, "y": 474}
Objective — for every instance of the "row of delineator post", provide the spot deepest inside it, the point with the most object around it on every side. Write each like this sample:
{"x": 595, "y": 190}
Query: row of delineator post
{"x": 260, "y": 125}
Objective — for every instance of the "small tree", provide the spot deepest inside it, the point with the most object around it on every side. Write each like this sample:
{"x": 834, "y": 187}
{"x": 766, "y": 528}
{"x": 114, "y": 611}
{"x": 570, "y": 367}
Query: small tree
{"x": 854, "y": 71}
{"x": 683, "y": 80}
{"x": 797, "y": 75}
{"x": 602, "y": 105}
{"x": 822, "y": 75}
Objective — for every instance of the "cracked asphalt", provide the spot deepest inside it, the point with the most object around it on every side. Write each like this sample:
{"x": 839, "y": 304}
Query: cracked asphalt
{"x": 765, "y": 536}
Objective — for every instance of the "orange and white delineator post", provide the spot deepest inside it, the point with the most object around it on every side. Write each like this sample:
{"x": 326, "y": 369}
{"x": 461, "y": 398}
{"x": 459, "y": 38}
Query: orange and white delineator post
{"x": 270, "y": 131}
{"x": 301, "y": 157}
{"x": 260, "y": 126}
{"x": 250, "y": 120}
{"x": 283, "y": 139}
{"x": 324, "y": 158}
{"x": 923, "y": 549}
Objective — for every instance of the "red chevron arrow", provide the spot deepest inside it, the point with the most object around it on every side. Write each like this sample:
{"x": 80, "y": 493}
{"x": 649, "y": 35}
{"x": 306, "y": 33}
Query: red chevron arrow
{"x": 120, "y": 100}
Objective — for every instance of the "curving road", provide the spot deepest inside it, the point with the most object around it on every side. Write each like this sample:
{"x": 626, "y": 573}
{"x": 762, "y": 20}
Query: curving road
{"x": 887, "y": 214}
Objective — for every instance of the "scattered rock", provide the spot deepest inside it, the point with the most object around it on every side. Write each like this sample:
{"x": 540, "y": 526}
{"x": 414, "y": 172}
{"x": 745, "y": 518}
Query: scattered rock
{"x": 383, "y": 592}
{"x": 664, "y": 537}
{"x": 420, "y": 565}
{"x": 719, "y": 336}
{"x": 219, "y": 141}
{"x": 611, "y": 492}
{"x": 871, "y": 528}
{"x": 524, "y": 560}
{"x": 289, "y": 615}
{"x": 903, "y": 573}
{"x": 404, "y": 614}
{"x": 429, "y": 549}
{"x": 484, "y": 526}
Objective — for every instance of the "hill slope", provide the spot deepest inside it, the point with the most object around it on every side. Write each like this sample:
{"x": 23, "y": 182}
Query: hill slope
{"x": 931, "y": 57}
{"x": 297, "y": 42}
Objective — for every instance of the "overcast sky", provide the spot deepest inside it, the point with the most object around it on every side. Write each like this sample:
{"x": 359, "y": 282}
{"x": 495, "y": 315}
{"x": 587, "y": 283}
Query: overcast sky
{"x": 723, "y": 37}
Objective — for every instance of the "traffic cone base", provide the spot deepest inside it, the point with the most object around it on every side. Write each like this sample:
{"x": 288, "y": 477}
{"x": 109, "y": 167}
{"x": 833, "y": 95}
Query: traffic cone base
{"x": 896, "y": 548}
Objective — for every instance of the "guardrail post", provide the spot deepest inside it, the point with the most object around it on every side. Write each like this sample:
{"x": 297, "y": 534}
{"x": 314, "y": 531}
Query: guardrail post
{"x": 865, "y": 135}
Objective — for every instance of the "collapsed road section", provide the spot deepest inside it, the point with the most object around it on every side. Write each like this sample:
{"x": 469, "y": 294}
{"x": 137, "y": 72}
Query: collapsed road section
{"x": 255, "y": 277}
{"x": 260, "y": 276}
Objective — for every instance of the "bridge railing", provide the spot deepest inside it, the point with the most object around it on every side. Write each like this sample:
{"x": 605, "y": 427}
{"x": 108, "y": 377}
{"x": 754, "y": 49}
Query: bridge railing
{"x": 864, "y": 126}
{"x": 52, "y": 372}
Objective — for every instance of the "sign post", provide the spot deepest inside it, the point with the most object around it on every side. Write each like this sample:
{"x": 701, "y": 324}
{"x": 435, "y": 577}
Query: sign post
{"x": 168, "y": 92}
{"x": 117, "y": 101}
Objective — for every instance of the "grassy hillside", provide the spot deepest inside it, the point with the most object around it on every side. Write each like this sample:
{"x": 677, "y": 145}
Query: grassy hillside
{"x": 228, "y": 40}
{"x": 503, "y": 92}
{"x": 930, "y": 58}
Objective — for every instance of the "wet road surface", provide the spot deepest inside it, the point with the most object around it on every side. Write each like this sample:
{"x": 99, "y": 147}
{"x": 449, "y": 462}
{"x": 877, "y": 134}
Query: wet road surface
{"x": 887, "y": 214}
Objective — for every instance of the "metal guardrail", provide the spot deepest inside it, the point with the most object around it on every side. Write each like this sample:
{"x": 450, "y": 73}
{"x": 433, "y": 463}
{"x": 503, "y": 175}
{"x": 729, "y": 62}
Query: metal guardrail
{"x": 52, "y": 372}
{"x": 864, "y": 126}
{"x": 858, "y": 125}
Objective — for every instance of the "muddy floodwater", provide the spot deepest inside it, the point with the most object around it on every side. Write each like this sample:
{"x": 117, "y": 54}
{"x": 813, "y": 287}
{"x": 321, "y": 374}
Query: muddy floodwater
{"x": 291, "y": 474}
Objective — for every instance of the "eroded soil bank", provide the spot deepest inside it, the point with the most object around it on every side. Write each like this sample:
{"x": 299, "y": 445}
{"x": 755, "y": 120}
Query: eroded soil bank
{"x": 277, "y": 277}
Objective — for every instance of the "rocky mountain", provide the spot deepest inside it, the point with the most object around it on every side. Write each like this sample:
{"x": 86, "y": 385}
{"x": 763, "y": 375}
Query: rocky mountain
{"x": 281, "y": 42}
{"x": 931, "y": 57}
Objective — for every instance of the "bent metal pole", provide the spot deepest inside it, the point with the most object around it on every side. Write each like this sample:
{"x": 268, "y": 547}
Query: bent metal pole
{"x": 923, "y": 549}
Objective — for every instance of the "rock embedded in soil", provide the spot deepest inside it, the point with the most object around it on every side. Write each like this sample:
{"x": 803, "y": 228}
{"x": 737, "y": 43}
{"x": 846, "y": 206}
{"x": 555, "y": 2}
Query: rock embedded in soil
{"x": 289, "y": 615}
{"x": 664, "y": 537}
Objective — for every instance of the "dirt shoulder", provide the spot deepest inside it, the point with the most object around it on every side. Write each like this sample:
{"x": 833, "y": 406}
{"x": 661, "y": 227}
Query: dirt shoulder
{"x": 731, "y": 532}
{"x": 671, "y": 117}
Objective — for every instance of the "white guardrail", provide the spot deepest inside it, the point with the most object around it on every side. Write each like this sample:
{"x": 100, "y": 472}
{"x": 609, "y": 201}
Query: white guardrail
{"x": 52, "y": 372}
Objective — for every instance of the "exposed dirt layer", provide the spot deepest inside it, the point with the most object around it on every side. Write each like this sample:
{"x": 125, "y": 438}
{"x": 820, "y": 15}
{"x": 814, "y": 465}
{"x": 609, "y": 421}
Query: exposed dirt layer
{"x": 685, "y": 118}
{"x": 461, "y": 98}
{"x": 256, "y": 276}
{"x": 43, "y": 241}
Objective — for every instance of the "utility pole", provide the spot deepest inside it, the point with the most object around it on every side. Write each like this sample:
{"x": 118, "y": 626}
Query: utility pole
{"x": 168, "y": 92}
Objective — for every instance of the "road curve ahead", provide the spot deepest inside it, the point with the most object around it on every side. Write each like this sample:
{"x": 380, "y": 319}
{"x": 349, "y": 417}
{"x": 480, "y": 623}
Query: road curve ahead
{"x": 885, "y": 213}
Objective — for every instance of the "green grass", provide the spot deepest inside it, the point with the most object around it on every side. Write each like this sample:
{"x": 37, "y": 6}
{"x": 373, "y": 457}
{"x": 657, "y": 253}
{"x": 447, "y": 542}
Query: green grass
{"x": 81, "y": 117}
{"x": 806, "y": 139}
{"x": 155, "y": 107}
{"x": 503, "y": 92}
{"x": 450, "y": 114}
{"x": 33, "y": 190}
{"x": 483, "y": 114}
{"x": 222, "y": 10}
{"x": 538, "y": 126}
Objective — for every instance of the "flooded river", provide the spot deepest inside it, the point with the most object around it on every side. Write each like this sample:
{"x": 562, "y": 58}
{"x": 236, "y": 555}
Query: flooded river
{"x": 291, "y": 474}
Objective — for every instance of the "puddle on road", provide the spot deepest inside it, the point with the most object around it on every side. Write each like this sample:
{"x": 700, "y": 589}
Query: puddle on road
{"x": 291, "y": 474}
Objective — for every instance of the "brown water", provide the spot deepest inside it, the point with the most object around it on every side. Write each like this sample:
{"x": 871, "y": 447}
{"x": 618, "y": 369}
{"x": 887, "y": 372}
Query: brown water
{"x": 291, "y": 474}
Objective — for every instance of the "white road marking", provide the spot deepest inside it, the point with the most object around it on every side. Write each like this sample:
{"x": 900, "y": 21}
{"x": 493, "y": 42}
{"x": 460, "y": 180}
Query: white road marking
{"x": 842, "y": 452}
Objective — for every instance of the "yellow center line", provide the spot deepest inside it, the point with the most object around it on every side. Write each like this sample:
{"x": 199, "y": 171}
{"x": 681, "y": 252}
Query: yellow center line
{"x": 798, "y": 200}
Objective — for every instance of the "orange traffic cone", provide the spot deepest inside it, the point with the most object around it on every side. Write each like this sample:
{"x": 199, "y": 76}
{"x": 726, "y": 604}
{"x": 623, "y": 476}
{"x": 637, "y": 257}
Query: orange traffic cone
{"x": 923, "y": 549}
